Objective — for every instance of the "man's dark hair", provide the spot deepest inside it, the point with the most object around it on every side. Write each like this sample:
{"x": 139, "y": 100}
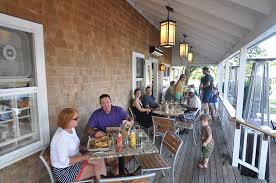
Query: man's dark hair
{"x": 205, "y": 69}
{"x": 148, "y": 87}
{"x": 136, "y": 90}
{"x": 104, "y": 96}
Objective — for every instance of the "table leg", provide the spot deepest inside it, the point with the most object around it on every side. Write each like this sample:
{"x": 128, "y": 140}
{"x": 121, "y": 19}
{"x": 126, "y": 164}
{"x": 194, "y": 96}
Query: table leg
{"x": 121, "y": 166}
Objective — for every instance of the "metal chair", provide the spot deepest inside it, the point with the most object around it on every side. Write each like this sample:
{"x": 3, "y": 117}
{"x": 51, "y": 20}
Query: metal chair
{"x": 45, "y": 158}
{"x": 156, "y": 162}
{"x": 190, "y": 125}
{"x": 133, "y": 179}
{"x": 161, "y": 125}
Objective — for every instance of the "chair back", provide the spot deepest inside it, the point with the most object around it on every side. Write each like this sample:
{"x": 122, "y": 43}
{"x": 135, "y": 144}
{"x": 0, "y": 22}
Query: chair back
{"x": 148, "y": 178}
{"x": 131, "y": 113}
{"x": 45, "y": 158}
{"x": 273, "y": 127}
{"x": 161, "y": 125}
{"x": 171, "y": 142}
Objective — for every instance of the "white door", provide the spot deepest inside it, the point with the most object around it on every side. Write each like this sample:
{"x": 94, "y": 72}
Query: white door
{"x": 151, "y": 75}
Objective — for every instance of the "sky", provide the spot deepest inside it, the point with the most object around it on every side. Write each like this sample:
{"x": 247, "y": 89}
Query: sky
{"x": 270, "y": 46}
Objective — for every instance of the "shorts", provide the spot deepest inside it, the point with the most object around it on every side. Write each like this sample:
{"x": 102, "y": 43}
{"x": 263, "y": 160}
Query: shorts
{"x": 207, "y": 97}
{"x": 207, "y": 150}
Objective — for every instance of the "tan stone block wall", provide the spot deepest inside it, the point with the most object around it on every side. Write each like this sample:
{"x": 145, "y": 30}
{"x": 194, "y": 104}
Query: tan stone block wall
{"x": 88, "y": 51}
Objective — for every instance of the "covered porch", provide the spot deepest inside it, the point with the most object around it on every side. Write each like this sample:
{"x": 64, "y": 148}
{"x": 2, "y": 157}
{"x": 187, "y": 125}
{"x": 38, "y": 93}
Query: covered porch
{"x": 78, "y": 50}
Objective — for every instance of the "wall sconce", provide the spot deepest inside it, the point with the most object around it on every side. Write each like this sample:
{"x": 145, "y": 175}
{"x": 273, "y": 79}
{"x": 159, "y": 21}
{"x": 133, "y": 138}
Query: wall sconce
{"x": 162, "y": 67}
{"x": 167, "y": 31}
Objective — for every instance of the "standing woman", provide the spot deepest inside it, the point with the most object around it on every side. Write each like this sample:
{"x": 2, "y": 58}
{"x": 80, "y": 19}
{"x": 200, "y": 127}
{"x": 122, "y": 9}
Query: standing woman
{"x": 180, "y": 88}
{"x": 143, "y": 115}
{"x": 68, "y": 164}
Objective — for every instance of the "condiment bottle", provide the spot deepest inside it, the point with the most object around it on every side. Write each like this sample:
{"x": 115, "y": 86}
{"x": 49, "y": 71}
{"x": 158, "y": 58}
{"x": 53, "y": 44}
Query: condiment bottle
{"x": 132, "y": 139}
{"x": 119, "y": 140}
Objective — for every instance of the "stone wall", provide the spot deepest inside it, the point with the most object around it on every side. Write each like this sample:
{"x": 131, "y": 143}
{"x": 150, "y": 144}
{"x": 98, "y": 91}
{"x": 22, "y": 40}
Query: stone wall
{"x": 88, "y": 51}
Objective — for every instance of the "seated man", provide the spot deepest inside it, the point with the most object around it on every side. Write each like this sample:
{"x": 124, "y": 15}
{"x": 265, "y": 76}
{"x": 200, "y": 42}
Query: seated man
{"x": 148, "y": 100}
{"x": 107, "y": 116}
{"x": 193, "y": 105}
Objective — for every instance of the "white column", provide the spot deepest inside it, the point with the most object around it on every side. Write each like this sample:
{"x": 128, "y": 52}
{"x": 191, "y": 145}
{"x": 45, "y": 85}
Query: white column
{"x": 226, "y": 80}
{"x": 241, "y": 79}
{"x": 219, "y": 77}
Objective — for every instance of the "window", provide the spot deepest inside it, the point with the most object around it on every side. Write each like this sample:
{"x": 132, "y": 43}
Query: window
{"x": 24, "y": 126}
{"x": 232, "y": 81}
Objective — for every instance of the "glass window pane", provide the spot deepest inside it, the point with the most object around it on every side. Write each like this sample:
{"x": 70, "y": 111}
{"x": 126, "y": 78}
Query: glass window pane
{"x": 18, "y": 122}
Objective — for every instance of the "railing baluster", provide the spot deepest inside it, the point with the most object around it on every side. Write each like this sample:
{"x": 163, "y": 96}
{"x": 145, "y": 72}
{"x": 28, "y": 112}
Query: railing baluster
{"x": 244, "y": 144}
{"x": 236, "y": 148}
{"x": 254, "y": 148}
{"x": 263, "y": 156}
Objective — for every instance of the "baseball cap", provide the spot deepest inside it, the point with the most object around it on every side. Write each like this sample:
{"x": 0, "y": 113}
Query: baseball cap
{"x": 205, "y": 68}
{"x": 190, "y": 90}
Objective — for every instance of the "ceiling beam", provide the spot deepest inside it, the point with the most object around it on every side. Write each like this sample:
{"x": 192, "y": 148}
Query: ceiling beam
{"x": 263, "y": 6}
{"x": 243, "y": 18}
{"x": 194, "y": 16}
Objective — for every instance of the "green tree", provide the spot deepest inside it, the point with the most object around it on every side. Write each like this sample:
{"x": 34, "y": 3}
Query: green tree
{"x": 188, "y": 71}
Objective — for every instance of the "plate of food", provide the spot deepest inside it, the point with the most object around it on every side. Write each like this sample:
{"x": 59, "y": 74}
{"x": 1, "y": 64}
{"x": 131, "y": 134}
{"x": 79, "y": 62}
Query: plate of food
{"x": 98, "y": 144}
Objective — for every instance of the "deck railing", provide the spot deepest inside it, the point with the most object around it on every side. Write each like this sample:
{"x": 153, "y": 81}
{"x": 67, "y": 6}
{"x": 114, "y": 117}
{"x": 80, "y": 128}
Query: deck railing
{"x": 243, "y": 129}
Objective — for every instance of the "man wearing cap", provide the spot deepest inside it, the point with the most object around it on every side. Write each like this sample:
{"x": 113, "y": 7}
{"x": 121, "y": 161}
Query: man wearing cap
{"x": 206, "y": 86}
{"x": 194, "y": 103}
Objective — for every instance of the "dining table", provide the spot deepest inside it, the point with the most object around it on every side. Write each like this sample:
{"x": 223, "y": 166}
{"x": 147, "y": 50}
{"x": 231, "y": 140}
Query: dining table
{"x": 146, "y": 147}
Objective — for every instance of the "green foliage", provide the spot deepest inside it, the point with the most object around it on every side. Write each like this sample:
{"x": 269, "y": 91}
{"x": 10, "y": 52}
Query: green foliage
{"x": 257, "y": 52}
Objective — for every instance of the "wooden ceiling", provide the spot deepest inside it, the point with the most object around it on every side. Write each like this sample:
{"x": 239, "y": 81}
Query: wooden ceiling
{"x": 214, "y": 27}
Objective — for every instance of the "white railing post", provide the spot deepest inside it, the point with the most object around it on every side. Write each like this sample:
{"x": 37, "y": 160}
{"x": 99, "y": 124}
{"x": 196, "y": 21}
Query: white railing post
{"x": 263, "y": 157}
{"x": 236, "y": 148}
{"x": 225, "y": 93}
{"x": 241, "y": 79}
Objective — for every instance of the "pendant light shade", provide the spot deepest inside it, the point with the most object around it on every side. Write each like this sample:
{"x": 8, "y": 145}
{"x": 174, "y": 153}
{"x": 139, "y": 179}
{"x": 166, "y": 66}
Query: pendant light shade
{"x": 162, "y": 67}
{"x": 183, "y": 48}
{"x": 190, "y": 56}
{"x": 167, "y": 31}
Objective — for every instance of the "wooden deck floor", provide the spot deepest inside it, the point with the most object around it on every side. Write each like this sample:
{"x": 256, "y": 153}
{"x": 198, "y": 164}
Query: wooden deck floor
{"x": 273, "y": 163}
{"x": 219, "y": 171}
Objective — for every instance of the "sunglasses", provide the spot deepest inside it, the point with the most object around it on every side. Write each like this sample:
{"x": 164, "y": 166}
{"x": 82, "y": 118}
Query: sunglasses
{"x": 76, "y": 119}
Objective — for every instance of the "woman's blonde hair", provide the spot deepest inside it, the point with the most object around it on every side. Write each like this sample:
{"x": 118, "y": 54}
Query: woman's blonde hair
{"x": 204, "y": 117}
{"x": 65, "y": 116}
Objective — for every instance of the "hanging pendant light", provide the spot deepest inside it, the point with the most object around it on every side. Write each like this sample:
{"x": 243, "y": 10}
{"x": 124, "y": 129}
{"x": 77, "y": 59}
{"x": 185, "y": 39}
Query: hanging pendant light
{"x": 190, "y": 56}
{"x": 183, "y": 48}
{"x": 167, "y": 31}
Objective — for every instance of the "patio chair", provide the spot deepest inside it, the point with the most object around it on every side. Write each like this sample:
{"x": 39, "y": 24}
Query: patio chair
{"x": 45, "y": 158}
{"x": 274, "y": 128}
{"x": 161, "y": 125}
{"x": 156, "y": 162}
{"x": 133, "y": 179}
{"x": 190, "y": 125}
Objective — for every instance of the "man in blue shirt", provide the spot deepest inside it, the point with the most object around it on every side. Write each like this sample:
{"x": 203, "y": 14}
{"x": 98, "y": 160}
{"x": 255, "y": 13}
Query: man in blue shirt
{"x": 107, "y": 116}
{"x": 148, "y": 100}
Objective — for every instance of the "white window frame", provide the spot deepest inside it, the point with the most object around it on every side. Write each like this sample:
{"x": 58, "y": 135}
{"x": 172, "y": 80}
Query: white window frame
{"x": 134, "y": 79}
{"x": 38, "y": 48}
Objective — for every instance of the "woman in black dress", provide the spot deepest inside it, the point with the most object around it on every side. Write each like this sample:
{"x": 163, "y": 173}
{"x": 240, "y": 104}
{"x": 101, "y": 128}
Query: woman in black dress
{"x": 143, "y": 115}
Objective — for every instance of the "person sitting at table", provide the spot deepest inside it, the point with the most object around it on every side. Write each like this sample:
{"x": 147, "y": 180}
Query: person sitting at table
{"x": 107, "y": 116}
{"x": 193, "y": 105}
{"x": 170, "y": 92}
{"x": 68, "y": 164}
{"x": 148, "y": 100}
{"x": 143, "y": 115}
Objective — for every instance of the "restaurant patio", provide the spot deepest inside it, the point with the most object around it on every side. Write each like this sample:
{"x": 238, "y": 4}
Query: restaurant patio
{"x": 56, "y": 54}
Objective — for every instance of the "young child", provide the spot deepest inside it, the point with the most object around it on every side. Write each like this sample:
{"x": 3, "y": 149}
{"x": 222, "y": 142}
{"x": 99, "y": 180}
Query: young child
{"x": 206, "y": 140}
